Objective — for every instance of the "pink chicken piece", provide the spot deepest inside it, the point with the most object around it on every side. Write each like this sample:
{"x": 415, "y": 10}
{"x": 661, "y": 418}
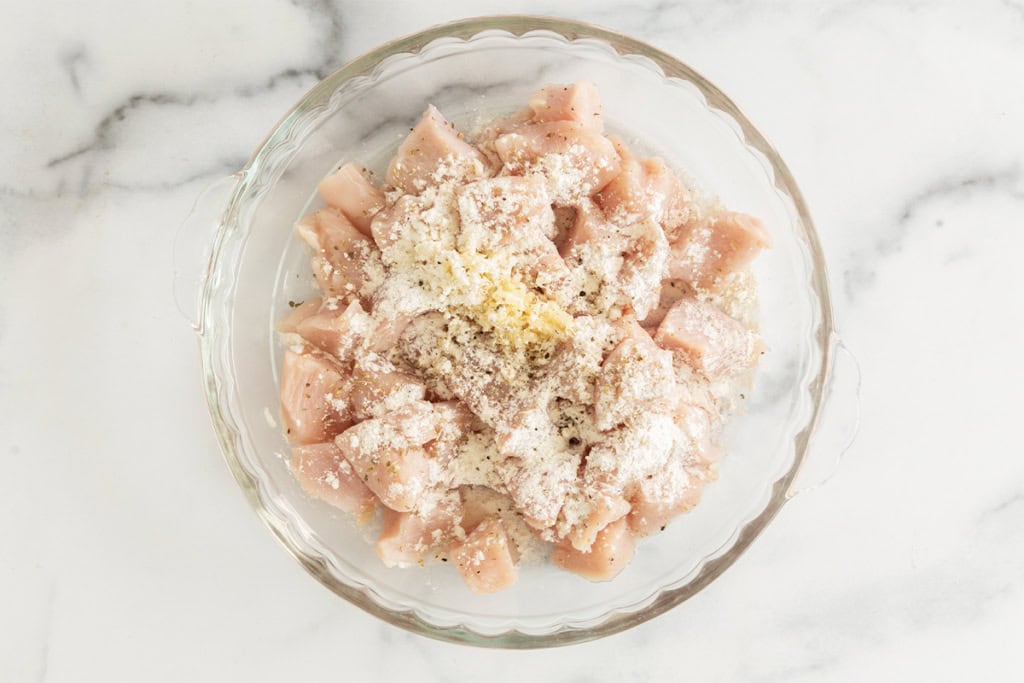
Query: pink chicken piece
{"x": 609, "y": 555}
{"x": 671, "y": 291}
{"x": 432, "y": 146}
{"x": 455, "y": 421}
{"x": 603, "y": 509}
{"x": 710, "y": 249}
{"x": 656, "y": 502}
{"x": 348, "y": 190}
{"x": 589, "y": 227}
{"x": 407, "y": 537}
{"x": 484, "y": 559}
{"x": 515, "y": 209}
{"x": 378, "y": 387}
{"x": 713, "y": 343}
{"x": 574, "y": 161}
{"x": 537, "y": 478}
{"x": 645, "y": 189}
{"x": 313, "y": 392}
{"x": 636, "y": 377}
{"x": 517, "y": 213}
{"x": 323, "y": 473}
{"x": 388, "y": 454}
{"x": 578, "y": 102}
{"x": 643, "y": 266}
{"x": 343, "y": 254}
{"x": 339, "y": 332}
{"x": 289, "y": 323}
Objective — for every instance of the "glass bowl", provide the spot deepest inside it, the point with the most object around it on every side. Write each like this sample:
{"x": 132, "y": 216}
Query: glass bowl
{"x": 240, "y": 265}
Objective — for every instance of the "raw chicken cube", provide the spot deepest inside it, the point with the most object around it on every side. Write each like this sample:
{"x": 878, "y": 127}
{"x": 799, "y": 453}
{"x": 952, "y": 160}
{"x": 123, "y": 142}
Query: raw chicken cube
{"x": 346, "y": 263}
{"x": 471, "y": 371}
{"x": 378, "y": 387}
{"x": 609, "y": 555}
{"x": 484, "y": 559}
{"x": 323, "y": 473}
{"x": 710, "y": 249}
{"x": 407, "y": 537}
{"x": 712, "y": 342}
{"x": 645, "y": 189}
{"x": 536, "y": 474}
{"x": 698, "y": 424}
{"x": 574, "y": 161}
{"x": 313, "y": 397}
{"x": 307, "y": 308}
{"x": 434, "y": 146}
{"x": 657, "y": 501}
{"x": 579, "y": 101}
{"x": 671, "y": 292}
{"x": 643, "y": 266}
{"x": 455, "y": 422}
{"x": 601, "y": 509}
{"x": 388, "y": 454}
{"x": 349, "y": 190}
{"x": 339, "y": 332}
{"x": 636, "y": 377}
{"x": 576, "y": 362}
{"x": 505, "y": 210}
{"x": 591, "y": 228}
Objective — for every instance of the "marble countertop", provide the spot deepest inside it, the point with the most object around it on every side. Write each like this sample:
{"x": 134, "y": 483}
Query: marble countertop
{"x": 902, "y": 121}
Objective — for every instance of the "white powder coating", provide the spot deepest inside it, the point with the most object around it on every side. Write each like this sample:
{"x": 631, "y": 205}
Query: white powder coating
{"x": 567, "y": 415}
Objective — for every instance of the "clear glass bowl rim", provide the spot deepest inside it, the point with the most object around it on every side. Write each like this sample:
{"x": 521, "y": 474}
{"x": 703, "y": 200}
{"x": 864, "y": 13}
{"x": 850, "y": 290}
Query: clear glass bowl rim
{"x": 518, "y": 25}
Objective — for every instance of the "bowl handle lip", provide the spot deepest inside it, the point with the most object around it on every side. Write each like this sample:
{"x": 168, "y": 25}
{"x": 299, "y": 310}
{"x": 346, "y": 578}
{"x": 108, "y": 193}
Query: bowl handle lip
{"x": 838, "y": 422}
{"x": 194, "y": 246}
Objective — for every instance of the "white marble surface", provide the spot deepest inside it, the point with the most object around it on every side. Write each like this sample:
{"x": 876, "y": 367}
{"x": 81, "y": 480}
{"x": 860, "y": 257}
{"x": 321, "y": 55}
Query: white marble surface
{"x": 127, "y": 552}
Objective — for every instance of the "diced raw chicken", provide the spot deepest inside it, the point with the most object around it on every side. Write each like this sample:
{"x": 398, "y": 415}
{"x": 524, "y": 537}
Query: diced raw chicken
{"x": 393, "y": 309}
{"x": 536, "y": 472}
{"x": 378, "y": 387}
{"x": 346, "y": 263}
{"x": 643, "y": 266}
{"x": 609, "y": 555}
{"x": 339, "y": 332}
{"x": 629, "y": 261}
{"x": 480, "y": 503}
{"x": 290, "y": 322}
{"x": 601, "y": 509}
{"x": 388, "y": 454}
{"x": 455, "y": 421}
{"x": 579, "y": 101}
{"x": 632, "y": 452}
{"x": 698, "y": 423}
{"x": 574, "y": 161}
{"x": 504, "y": 210}
{"x": 636, "y": 377}
{"x": 313, "y": 397}
{"x": 671, "y": 292}
{"x": 714, "y": 344}
{"x": 645, "y": 189}
{"x": 710, "y": 249}
{"x": 407, "y": 537}
{"x": 434, "y": 145}
{"x": 591, "y": 228}
{"x": 388, "y": 332}
{"x": 565, "y": 219}
{"x": 323, "y": 473}
{"x": 471, "y": 371}
{"x": 484, "y": 559}
{"x": 349, "y": 190}
{"x": 657, "y": 501}
{"x": 576, "y": 362}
